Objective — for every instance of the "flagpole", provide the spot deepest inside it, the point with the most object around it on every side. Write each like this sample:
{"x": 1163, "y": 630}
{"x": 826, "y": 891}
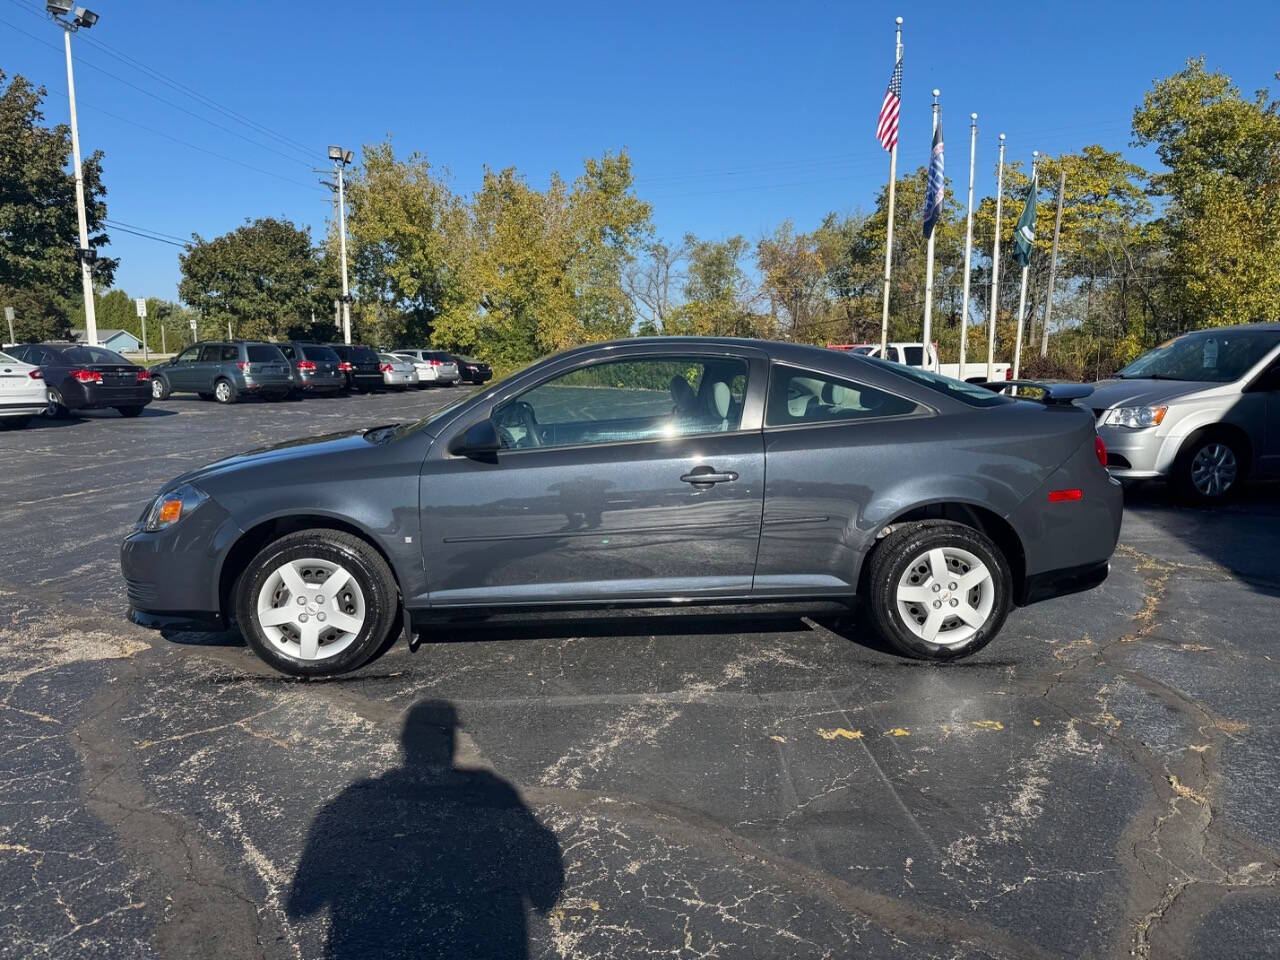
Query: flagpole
{"x": 995, "y": 271}
{"x": 888, "y": 236}
{"x": 1022, "y": 296}
{"x": 968, "y": 244}
{"x": 928, "y": 270}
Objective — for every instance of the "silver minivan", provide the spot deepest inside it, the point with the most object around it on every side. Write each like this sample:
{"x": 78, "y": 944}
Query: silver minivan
{"x": 1202, "y": 410}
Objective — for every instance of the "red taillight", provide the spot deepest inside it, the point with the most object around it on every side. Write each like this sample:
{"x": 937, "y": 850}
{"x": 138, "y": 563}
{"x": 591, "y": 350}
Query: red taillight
{"x": 144, "y": 376}
{"x": 1100, "y": 451}
{"x": 344, "y": 366}
{"x": 385, "y": 368}
{"x": 434, "y": 363}
{"x": 1065, "y": 496}
{"x": 242, "y": 364}
{"x": 306, "y": 365}
{"x": 36, "y": 374}
{"x": 1008, "y": 374}
{"x": 86, "y": 376}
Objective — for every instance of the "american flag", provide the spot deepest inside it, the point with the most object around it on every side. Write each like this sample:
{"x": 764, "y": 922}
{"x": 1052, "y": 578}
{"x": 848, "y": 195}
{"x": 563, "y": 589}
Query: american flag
{"x": 887, "y": 128}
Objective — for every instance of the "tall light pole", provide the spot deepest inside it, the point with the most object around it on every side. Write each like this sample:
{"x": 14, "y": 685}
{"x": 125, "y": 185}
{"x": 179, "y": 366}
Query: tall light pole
{"x": 58, "y": 11}
{"x": 340, "y": 160}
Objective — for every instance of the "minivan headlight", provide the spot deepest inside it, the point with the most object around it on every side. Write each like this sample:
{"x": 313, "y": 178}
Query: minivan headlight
{"x": 168, "y": 508}
{"x": 1135, "y": 418}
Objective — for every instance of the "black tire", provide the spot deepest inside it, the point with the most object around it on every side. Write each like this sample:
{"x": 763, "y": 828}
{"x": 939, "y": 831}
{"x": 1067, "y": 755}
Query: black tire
{"x": 129, "y": 411}
{"x": 57, "y": 409}
{"x": 224, "y": 391}
{"x": 891, "y": 560}
{"x": 13, "y": 423}
{"x": 1200, "y": 458}
{"x": 367, "y": 568}
{"x": 160, "y": 388}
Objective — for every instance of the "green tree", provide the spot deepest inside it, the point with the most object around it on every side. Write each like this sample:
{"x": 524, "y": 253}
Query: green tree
{"x": 264, "y": 278}
{"x": 1221, "y": 192}
{"x": 39, "y": 273}
{"x": 794, "y": 280}
{"x": 718, "y": 294}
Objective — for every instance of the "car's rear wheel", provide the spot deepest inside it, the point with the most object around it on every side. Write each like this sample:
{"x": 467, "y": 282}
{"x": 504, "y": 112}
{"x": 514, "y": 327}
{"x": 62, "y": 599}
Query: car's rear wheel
{"x": 224, "y": 391}
{"x": 316, "y": 603}
{"x": 1210, "y": 469}
{"x": 938, "y": 590}
{"x": 159, "y": 388}
{"x": 57, "y": 409}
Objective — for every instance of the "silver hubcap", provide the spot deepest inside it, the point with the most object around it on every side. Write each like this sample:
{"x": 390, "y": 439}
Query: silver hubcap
{"x": 1213, "y": 470}
{"x": 223, "y": 392}
{"x": 157, "y": 389}
{"x": 945, "y": 596}
{"x": 311, "y": 609}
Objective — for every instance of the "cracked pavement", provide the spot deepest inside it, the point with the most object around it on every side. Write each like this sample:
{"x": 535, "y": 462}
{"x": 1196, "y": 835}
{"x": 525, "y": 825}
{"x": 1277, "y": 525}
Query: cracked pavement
{"x": 1100, "y": 781}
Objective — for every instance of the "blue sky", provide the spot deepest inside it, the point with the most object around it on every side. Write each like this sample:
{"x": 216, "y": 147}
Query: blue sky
{"x": 737, "y": 115}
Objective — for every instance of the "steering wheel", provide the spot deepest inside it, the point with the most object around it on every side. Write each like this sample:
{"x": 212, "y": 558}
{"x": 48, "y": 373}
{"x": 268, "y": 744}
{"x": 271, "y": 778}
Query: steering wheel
{"x": 519, "y": 414}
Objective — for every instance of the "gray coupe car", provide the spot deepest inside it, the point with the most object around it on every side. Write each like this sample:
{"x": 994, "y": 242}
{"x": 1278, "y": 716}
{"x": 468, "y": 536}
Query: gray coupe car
{"x": 644, "y": 472}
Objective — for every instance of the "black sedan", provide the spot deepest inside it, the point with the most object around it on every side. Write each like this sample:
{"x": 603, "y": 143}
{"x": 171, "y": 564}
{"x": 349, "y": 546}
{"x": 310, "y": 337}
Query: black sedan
{"x": 81, "y": 377}
{"x": 645, "y": 472}
{"x": 473, "y": 371}
{"x": 360, "y": 365}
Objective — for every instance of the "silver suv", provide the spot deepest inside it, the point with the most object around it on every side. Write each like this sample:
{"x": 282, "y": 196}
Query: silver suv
{"x": 224, "y": 370}
{"x": 1202, "y": 411}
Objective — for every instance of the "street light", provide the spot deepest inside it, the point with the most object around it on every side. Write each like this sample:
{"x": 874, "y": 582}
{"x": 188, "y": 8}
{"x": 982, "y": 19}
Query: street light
{"x": 340, "y": 160}
{"x": 58, "y": 11}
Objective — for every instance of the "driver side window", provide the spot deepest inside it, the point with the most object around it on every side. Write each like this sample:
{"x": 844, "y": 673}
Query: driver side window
{"x": 627, "y": 400}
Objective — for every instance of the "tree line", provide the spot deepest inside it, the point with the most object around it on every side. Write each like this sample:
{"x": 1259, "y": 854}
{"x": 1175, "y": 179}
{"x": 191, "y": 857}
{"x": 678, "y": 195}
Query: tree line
{"x": 512, "y": 271}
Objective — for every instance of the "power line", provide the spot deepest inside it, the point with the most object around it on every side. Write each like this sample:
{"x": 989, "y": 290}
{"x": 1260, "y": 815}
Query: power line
{"x": 158, "y": 233}
{"x": 177, "y": 106}
{"x": 147, "y": 236}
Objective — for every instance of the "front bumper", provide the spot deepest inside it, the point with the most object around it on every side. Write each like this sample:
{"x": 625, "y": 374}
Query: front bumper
{"x": 174, "y": 573}
{"x": 1138, "y": 454}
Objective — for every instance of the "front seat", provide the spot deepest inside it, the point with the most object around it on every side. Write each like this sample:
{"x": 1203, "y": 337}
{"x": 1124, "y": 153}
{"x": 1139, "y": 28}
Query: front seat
{"x": 682, "y": 395}
{"x": 719, "y": 402}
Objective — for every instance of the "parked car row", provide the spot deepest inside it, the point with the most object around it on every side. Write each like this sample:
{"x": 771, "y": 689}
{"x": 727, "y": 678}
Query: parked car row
{"x": 58, "y": 378}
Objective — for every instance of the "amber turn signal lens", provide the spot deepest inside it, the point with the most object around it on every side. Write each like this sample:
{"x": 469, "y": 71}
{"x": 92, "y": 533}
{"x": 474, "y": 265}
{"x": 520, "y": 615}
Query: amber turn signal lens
{"x": 170, "y": 511}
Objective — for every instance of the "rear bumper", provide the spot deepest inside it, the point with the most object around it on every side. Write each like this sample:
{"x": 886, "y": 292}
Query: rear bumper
{"x": 321, "y": 383}
{"x": 26, "y": 407}
{"x": 92, "y": 397}
{"x": 1060, "y": 583}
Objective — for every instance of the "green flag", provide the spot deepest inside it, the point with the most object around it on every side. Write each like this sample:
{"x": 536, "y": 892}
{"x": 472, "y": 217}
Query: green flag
{"x": 1024, "y": 235}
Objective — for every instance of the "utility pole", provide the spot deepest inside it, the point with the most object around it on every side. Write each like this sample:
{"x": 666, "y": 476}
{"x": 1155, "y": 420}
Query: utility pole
{"x": 8, "y": 315}
{"x": 1053, "y": 263}
{"x": 340, "y": 160}
{"x": 58, "y": 9}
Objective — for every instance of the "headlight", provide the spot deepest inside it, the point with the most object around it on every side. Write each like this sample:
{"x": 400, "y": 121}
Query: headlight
{"x": 1135, "y": 418}
{"x": 168, "y": 508}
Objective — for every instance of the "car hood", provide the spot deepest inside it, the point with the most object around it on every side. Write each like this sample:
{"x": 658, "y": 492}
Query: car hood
{"x": 1138, "y": 392}
{"x": 345, "y": 445}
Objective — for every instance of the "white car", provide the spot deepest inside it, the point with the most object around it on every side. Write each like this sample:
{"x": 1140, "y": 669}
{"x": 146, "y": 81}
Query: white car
{"x": 426, "y": 372}
{"x": 23, "y": 392}
{"x": 917, "y": 355}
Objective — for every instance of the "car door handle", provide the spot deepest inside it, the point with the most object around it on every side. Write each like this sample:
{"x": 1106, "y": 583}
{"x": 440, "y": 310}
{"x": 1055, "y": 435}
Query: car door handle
{"x": 705, "y": 476}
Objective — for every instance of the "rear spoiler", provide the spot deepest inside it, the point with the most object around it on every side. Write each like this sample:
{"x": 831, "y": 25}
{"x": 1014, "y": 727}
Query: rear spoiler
{"x": 1055, "y": 394}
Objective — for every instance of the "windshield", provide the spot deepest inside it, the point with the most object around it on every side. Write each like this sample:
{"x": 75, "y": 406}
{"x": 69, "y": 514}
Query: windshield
{"x": 1220, "y": 356}
{"x": 970, "y": 393}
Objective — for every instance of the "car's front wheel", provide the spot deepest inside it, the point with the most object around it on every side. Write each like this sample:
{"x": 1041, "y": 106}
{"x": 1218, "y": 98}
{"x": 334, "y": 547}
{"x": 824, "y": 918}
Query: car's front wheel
{"x": 938, "y": 590}
{"x": 316, "y": 603}
{"x": 1210, "y": 469}
{"x": 224, "y": 391}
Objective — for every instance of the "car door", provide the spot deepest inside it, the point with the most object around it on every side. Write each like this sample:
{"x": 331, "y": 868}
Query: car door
{"x": 179, "y": 372}
{"x": 830, "y": 443}
{"x": 596, "y": 493}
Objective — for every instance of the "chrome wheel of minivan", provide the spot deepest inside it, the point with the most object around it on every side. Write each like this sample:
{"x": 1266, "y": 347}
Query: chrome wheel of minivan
{"x": 311, "y": 609}
{"x": 945, "y": 595}
{"x": 1213, "y": 469}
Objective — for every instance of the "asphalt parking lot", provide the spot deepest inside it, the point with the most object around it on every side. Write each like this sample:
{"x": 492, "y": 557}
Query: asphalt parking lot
{"x": 1100, "y": 781}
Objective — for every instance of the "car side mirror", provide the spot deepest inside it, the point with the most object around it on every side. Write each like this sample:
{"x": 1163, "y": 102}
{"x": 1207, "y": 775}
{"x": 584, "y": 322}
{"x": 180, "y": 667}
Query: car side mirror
{"x": 480, "y": 441}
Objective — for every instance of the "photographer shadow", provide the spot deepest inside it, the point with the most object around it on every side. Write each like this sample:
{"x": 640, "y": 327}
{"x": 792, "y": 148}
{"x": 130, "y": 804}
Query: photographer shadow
{"x": 428, "y": 860}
